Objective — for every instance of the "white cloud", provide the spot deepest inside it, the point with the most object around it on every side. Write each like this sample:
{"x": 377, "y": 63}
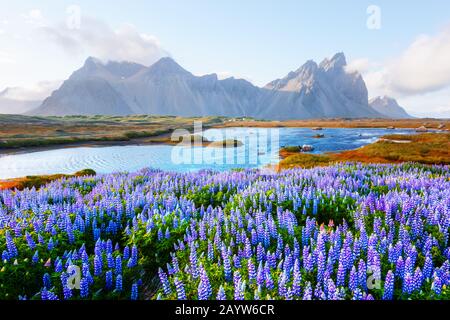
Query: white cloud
{"x": 95, "y": 38}
{"x": 34, "y": 17}
{"x": 358, "y": 65}
{"x": 6, "y": 58}
{"x": 422, "y": 68}
{"x": 433, "y": 104}
{"x": 419, "y": 77}
{"x": 36, "y": 92}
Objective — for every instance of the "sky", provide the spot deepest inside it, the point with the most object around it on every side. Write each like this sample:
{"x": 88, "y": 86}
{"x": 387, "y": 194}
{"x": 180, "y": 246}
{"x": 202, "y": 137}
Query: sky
{"x": 402, "y": 48}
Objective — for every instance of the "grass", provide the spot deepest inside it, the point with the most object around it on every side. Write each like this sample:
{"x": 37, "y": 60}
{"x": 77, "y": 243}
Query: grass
{"x": 344, "y": 123}
{"x": 427, "y": 148}
{"x": 304, "y": 160}
{"x": 18, "y": 131}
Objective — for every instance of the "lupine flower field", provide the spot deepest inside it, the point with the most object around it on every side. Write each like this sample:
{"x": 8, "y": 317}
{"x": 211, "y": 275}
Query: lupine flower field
{"x": 346, "y": 231}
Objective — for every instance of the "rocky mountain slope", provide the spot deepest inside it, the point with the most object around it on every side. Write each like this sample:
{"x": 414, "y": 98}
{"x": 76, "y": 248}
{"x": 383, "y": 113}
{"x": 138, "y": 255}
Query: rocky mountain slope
{"x": 165, "y": 88}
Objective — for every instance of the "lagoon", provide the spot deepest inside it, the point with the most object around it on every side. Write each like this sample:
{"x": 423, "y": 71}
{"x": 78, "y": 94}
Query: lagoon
{"x": 257, "y": 151}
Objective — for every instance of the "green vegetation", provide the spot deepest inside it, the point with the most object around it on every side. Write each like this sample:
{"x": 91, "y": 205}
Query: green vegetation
{"x": 305, "y": 160}
{"x": 18, "y": 131}
{"x": 427, "y": 148}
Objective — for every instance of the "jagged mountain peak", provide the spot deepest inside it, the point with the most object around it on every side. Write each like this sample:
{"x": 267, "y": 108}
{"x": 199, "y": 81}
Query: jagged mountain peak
{"x": 338, "y": 61}
{"x": 92, "y": 62}
{"x": 166, "y": 66}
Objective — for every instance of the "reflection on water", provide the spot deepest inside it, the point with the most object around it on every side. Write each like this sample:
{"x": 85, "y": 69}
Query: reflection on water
{"x": 132, "y": 158}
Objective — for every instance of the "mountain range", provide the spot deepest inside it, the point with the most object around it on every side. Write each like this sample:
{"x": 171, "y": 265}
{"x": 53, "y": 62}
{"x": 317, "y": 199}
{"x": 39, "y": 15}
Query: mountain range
{"x": 165, "y": 88}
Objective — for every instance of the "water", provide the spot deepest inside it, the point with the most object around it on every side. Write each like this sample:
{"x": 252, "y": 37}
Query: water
{"x": 256, "y": 152}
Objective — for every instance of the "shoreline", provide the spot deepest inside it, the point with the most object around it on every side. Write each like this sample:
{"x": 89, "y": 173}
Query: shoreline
{"x": 386, "y": 149}
{"x": 162, "y": 139}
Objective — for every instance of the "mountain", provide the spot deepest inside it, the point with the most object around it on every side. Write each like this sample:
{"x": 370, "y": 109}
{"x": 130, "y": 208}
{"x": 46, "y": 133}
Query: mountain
{"x": 388, "y": 107}
{"x": 318, "y": 91}
{"x": 165, "y": 88}
{"x": 12, "y": 105}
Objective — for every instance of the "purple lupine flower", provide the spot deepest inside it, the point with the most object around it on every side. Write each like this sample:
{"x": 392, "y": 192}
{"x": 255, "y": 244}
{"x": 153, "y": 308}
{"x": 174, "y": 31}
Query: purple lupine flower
{"x": 179, "y": 287}
{"x": 118, "y": 269}
{"x": 126, "y": 253}
{"x": 427, "y": 267}
{"x": 409, "y": 266}
{"x": 221, "y": 294}
{"x": 332, "y": 292}
{"x": 47, "y": 281}
{"x": 400, "y": 267}
{"x": 340, "y": 276}
{"x": 109, "y": 247}
{"x": 315, "y": 206}
{"x": 353, "y": 281}
{"x": 97, "y": 265}
{"x": 307, "y": 294}
{"x": 110, "y": 261}
{"x": 251, "y": 271}
{"x": 35, "y": 258}
{"x": 236, "y": 262}
{"x": 282, "y": 289}
{"x": 5, "y": 255}
{"x": 10, "y": 245}
{"x": 84, "y": 287}
{"x": 109, "y": 279}
{"x": 237, "y": 281}
{"x": 320, "y": 267}
{"x": 50, "y": 244}
{"x": 193, "y": 262}
{"x": 226, "y": 265}
{"x": 134, "y": 291}
{"x": 204, "y": 286}
{"x": 357, "y": 294}
{"x": 119, "y": 285}
{"x": 418, "y": 279}
{"x": 269, "y": 281}
{"x": 388, "y": 293}
{"x": 408, "y": 284}
{"x": 210, "y": 251}
{"x": 30, "y": 241}
{"x": 362, "y": 274}
{"x": 297, "y": 279}
{"x": 165, "y": 281}
{"x": 436, "y": 286}
{"x": 59, "y": 266}
{"x": 67, "y": 293}
{"x": 318, "y": 292}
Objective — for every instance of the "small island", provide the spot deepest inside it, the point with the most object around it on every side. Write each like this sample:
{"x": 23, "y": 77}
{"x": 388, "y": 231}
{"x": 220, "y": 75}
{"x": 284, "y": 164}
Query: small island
{"x": 228, "y": 143}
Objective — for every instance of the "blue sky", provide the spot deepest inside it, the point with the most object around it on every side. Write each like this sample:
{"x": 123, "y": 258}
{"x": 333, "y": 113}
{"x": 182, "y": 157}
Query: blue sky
{"x": 256, "y": 40}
